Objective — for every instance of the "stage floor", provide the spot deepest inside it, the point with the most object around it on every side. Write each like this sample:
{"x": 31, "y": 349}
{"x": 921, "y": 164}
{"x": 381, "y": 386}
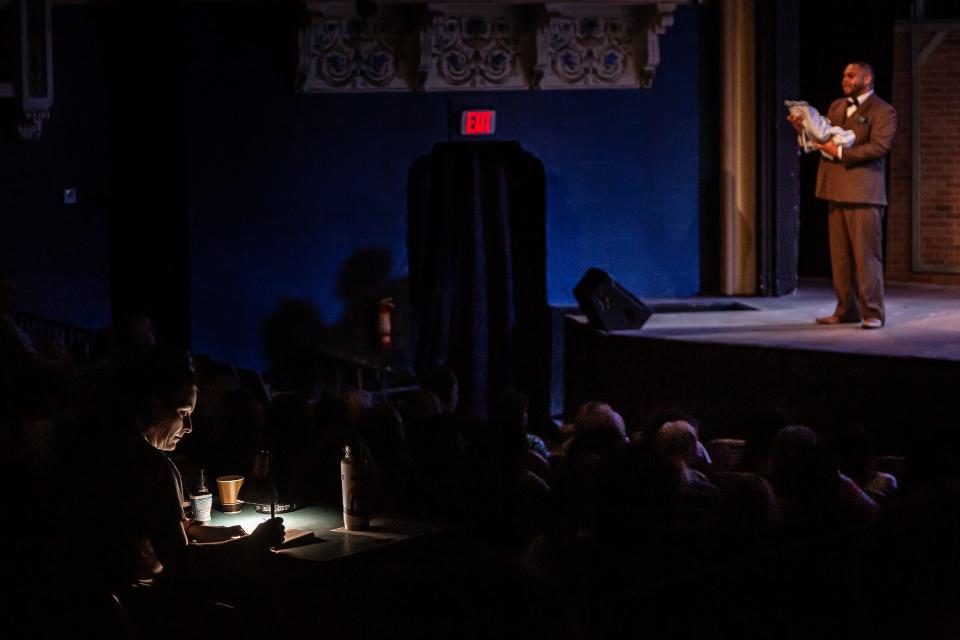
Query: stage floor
{"x": 725, "y": 366}
{"x": 923, "y": 321}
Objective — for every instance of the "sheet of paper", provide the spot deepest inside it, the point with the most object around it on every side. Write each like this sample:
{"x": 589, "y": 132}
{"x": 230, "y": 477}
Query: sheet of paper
{"x": 295, "y": 538}
{"x": 374, "y": 533}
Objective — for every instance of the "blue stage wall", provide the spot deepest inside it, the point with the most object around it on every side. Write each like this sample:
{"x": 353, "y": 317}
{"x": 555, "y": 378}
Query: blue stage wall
{"x": 58, "y": 255}
{"x": 284, "y": 188}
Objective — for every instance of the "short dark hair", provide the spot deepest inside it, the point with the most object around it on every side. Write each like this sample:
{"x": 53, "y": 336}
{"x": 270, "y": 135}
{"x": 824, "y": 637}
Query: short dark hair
{"x": 159, "y": 375}
{"x": 867, "y": 69}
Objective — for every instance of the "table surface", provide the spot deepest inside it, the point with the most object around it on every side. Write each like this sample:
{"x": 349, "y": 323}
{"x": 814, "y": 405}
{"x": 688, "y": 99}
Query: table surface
{"x": 327, "y": 524}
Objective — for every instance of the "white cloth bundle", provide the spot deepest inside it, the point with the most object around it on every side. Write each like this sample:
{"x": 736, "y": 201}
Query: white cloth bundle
{"x": 818, "y": 128}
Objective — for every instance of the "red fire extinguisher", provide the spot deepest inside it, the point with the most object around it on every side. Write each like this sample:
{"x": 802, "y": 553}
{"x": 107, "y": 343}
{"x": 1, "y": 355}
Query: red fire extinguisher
{"x": 385, "y": 309}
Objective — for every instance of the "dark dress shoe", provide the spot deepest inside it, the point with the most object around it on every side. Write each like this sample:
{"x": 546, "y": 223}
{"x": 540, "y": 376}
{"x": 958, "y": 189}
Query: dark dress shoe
{"x": 834, "y": 319}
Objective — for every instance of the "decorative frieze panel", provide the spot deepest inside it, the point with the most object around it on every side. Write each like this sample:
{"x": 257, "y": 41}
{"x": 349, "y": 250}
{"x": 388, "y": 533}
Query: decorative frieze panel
{"x": 588, "y": 52}
{"x": 476, "y": 52}
{"x": 482, "y": 46}
{"x": 348, "y": 53}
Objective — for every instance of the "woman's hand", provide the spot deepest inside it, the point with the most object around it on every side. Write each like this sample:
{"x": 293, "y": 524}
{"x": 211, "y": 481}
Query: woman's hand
{"x": 267, "y": 534}
{"x": 206, "y": 534}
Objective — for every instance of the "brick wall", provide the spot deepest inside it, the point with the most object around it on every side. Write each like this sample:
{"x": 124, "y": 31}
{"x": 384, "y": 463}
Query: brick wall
{"x": 939, "y": 87}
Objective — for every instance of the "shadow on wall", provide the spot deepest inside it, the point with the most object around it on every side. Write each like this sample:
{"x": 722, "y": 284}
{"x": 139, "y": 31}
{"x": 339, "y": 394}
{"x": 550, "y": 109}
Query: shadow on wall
{"x": 365, "y": 279}
{"x": 294, "y": 337}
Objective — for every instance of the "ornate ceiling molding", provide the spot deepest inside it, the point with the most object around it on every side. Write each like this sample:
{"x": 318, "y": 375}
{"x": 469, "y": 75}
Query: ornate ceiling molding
{"x": 479, "y": 49}
{"x": 505, "y": 45}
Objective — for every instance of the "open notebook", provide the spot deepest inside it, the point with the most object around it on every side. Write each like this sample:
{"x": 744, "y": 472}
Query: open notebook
{"x": 295, "y": 538}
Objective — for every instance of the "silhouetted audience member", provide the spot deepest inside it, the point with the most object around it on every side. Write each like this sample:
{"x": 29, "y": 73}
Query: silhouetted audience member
{"x": 357, "y": 401}
{"x": 701, "y": 458}
{"x": 418, "y": 405}
{"x": 812, "y": 492}
{"x": 290, "y": 437}
{"x": 102, "y": 345}
{"x": 537, "y": 444}
{"x": 227, "y": 439}
{"x": 335, "y": 418}
{"x": 677, "y": 446}
{"x": 662, "y": 415}
{"x": 381, "y": 428}
{"x": 856, "y": 454}
{"x": 913, "y": 553}
{"x": 507, "y": 482}
{"x": 747, "y": 512}
{"x": 596, "y": 415}
{"x": 599, "y": 436}
{"x": 291, "y": 339}
{"x": 509, "y": 443}
{"x": 634, "y": 500}
{"x": 678, "y": 443}
{"x": 437, "y": 449}
{"x": 214, "y": 380}
{"x": 443, "y": 382}
{"x": 333, "y": 411}
{"x": 135, "y": 335}
{"x": 129, "y": 339}
{"x": 759, "y": 431}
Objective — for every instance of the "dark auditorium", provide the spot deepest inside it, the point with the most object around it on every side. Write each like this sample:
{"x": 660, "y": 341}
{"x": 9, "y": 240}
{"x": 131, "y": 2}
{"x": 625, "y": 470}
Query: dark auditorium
{"x": 600, "y": 320}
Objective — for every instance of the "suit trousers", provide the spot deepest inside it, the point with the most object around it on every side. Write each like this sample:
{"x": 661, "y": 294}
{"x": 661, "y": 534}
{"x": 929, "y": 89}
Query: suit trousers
{"x": 856, "y": 260}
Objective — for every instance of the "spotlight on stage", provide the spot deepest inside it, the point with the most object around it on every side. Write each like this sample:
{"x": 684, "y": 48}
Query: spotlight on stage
{"x": 607, "y": 305}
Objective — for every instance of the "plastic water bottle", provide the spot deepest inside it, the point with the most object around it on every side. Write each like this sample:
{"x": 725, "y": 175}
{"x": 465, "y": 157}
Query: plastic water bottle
{"x": 355, "y": 515}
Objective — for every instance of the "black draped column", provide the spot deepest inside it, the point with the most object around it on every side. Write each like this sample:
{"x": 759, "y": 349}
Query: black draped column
{"x": 477, "y": 259}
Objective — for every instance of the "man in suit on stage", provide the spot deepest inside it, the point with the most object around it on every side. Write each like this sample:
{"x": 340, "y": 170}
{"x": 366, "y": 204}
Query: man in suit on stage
{"x": 852, "y": 181}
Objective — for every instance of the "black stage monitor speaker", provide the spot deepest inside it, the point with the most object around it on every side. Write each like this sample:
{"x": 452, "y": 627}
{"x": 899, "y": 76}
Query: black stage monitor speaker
{"x": 607, "y": 305}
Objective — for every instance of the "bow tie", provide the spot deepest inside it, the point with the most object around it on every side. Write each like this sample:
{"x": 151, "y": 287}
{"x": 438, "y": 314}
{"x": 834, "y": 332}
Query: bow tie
{"x": 852, "y": 102}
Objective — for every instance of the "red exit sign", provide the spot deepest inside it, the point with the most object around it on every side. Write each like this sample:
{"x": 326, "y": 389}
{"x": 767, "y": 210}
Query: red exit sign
{"x": 478, "y": 122}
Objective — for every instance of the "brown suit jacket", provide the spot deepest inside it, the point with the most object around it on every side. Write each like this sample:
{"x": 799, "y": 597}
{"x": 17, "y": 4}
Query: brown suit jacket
{"x": 860, "y": 176}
